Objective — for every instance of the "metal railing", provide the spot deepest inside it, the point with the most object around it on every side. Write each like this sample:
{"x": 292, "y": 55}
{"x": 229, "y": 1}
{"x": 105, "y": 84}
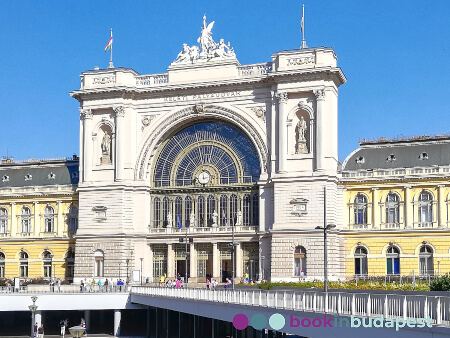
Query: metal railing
{"x": 36, "y": 288}
{"x": 340, "y": 303}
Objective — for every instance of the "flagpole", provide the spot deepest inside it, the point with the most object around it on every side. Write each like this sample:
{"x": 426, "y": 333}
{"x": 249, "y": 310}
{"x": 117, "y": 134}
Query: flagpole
{"x": 303, "y": 29}
{"x": 110, "y": 58}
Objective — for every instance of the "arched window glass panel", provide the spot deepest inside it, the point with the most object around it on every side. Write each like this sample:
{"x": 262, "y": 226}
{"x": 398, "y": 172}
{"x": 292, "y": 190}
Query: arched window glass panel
{"x": 393, "y": 261}
{"x": 426, "y": 266}
{"x": 23, "y": 264}
{"x": 392, "y": 209}
{"x": 233, "y": 209}
{"x": 73, "y": 219}
{"x": 300, "y": 261}
{"x": 70, "y": 264}
{"x": 360, "y": 261}
{"x": 2, "y": 265}
{"x": 178, "y": 212}
{"x": 3, "y": 221}
{"x": 49, "y": 219}
{"x": 425, "y": 209}
{"x": 360, "y": 209}
{"x": 201, "y": 211}
{"x": 99, "y": 263}
{"x": 223, "y": 210}
{"x": 156, "y": 213}
{"x": 47, "y": 258}
{"x": 211, "y": 206}
{"x": 165, "y": 210}
{"x": 25, "y": 220}
{"x": 188, "y": 211}
{"x": 226, "y": 140}
{"x": 255, "y": 209}
{"x": 246, "y": 210}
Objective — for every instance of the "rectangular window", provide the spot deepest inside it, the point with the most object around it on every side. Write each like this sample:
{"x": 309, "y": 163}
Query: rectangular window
{"x": 23, "y": 269}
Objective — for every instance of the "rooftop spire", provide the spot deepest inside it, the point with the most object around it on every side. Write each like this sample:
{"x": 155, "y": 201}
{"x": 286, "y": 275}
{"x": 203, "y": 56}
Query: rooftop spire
{"x": 302, "y": 28}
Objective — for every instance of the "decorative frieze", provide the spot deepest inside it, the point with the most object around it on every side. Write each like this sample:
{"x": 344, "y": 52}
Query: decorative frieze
{"x": 301, "y": 61}
{"x": 104, "y": 80}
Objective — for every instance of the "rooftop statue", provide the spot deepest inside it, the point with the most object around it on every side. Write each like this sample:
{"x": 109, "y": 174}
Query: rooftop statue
{"x": 208, "y": 50}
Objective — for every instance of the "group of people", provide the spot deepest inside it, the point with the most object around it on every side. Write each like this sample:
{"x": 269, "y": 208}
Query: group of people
{"x": 211, "y": 284}
{"x": 106, "y": 286}
{"x": 39, "y": 330}
{"x": 171, "y": 283}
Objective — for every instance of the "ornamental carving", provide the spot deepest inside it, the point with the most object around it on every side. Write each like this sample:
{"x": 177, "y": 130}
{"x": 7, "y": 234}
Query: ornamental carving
{"x": 260, "y": 112}
{"x": 119, "y": 110}
{"x": 301, "y": 61}
{"x": 104, "y": 80}
{"x": 85, "y": 113}
{"x": 282, "y": 97}
{"x": 199, "y": 108}
{"x": 146, "y": 120}
{"x": 320, "y": 94}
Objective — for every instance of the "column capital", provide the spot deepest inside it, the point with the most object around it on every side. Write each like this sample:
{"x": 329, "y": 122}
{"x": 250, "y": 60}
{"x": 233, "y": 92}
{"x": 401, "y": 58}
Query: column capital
{"x": 85, "y": 114}
{"x": 282, "y": 97}
{"x": 441, "y": 186}
{"x": 320, "y": 94}
{"x": 119, "y": 110}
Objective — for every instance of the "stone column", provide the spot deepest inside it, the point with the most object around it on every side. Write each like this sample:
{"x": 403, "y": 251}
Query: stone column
{"x": 239, "y": 261}
{"x": 150, "y": 270}
{"x": 37, "y": 224}
{"x": 375, "y": 209}
{"x": 87, "y": 318}
{"x": 170, "y": 262}
{"x": 117, "y": 319}
{"x": 86, "y": 115}
{"x": 59, "y": 221}
{"x": 442, "y": 206}
{"x": 192, "y": 261}
{"x": 120, "y": 140}
{"x": 282, "y": 130}
{"x": 320, "y": 125}
{"x": 409, "y": 220}
{"x": 216, "y": 263}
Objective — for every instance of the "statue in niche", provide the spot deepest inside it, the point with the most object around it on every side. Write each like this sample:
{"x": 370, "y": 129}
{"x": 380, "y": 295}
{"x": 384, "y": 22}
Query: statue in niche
{"x": 239, "y": 218}
{"x": 169, "y": 219}
{"x": 106, "y": 148}
{"x": 300, "y": 140}
{"x": 214, "y": 217}
{"x": 192, "y": 219}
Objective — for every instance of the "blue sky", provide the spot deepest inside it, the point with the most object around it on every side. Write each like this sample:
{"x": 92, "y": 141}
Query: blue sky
{"x": 395, "y": 54}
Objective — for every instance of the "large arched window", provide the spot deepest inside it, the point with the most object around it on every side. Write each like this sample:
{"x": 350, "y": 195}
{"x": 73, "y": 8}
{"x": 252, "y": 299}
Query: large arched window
{"x": 425, "y": 209}
{"x": 98, "y": 263}
{"x": 360, "y": 261}
{"x": 300, "y": 261}
{"x": 3, "y": 221}
{"x": 223, "y": 210}
{"x": 255, "y": 209}
{"x": 70, "y": 264}
{"x": 360, "y": 209}
{"x": 156, "y": 212}
{"x": 392, "y": 261}
{"x": 426, "y": 266}
{"x": 23, "y": 264}
{"x": 392, "y": 210}
{"x": 25, "y": 220}
{"x": 166, "y": 210}
{"x": 47, "y": 258}
{"x": 178, "y": 211}
{"x": 2, "y": 265}
{"x": 49, "y": 219}
{"x": 73, "y": 219}
{"x": 246, "y": 210}
{"x": 188, "y": 211}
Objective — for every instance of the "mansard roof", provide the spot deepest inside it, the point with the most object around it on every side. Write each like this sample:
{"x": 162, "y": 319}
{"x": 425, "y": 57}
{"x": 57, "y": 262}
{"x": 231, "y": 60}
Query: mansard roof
{"x": 420, "y": 151}
{"x": 39, "y": 172}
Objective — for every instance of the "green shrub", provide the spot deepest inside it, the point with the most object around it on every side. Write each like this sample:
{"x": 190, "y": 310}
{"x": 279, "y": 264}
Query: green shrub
{"x": 441, "y": 283}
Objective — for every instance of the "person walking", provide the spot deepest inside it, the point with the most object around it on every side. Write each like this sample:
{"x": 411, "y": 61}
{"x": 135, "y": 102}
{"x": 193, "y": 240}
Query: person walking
{"x": 83, "y": 325}
{"x": 35, "y": 329}
{"x": 63, "y": 324}
{"x": 40, "y": 331}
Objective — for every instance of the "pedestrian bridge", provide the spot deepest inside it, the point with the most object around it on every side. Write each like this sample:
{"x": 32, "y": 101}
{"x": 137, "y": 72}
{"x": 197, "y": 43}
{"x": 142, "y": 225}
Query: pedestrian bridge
{"x": 311, "y": 313}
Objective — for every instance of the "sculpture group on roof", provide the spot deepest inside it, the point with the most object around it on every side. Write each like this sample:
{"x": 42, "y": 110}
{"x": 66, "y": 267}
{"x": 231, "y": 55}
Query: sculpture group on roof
{"x": 208, "y": 50}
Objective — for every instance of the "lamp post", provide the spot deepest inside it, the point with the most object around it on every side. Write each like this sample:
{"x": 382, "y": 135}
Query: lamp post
{"x": 142, "y": 259}
{"x": 33, "y": 309}
{"x": 325, "y": 254}
{"x": 128, "y": 262}
{"x": 186, "y": 240}
{"x": 51, "y": 266}
{"x": 232, "y": 255}
{"x": 262, "y": 267}
{"x": 120, "y": 263}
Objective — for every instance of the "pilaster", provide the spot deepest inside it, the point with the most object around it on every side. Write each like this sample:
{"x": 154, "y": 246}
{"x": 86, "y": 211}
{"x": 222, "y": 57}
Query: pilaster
{"x": 170, "y": 262}
{"x": 216, "y": 265}
{"x": 320, "y": 125}
{"x": 408, "y": 208}
{"x": 282, "y": 130}
{"x": 442, "y": 222}
{"x": 120, "y": 114}
{"x": 192, "y": 261}
{"x": 86, "y": 115}
{"x": 239, "y": 261}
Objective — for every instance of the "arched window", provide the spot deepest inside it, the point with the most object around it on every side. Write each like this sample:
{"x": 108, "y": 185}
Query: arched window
{"x": 360, "y": 261}
{"x": 99, "y": 261}
{"x": 70, "y": 264}
{"x": 165, "y": 210}
{"x": 73, "y": 219}
{"x": 246, "y": 210}
{"x": 187, "y": 211}
{"x": 3, "y": 221}
{"x": 49, "y": 219}
{"x": 223, "y": 210}
{"x": 23, "y": 264}
{"x": 360, "y": 209}
{"x": 201, "y": 211}
{"x": 425, "y": 209}
{"x": 426, "y": 266}
{"x": 392, "y": 210}
{"x": 25, "y": 220}
{"x": 211, "y": 206}
{"x": 255, "y": 209}
{"x": 300, "y": 261}
{"x": 156, "y": 212}
{"x": 393, "y": 261}
{"x": 2, "y": 265}
{"x": 233, "y": 209}
{"x": 178, "y": 211}
{"x": 47, "y": 258}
